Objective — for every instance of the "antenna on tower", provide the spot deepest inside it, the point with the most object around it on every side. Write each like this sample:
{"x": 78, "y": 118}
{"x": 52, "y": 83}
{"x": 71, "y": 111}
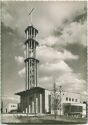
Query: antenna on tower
{"x": 30, "y": 14}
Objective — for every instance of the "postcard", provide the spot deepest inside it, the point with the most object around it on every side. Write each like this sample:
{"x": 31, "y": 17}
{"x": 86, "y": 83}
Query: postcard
{"x": 44, "y": 62}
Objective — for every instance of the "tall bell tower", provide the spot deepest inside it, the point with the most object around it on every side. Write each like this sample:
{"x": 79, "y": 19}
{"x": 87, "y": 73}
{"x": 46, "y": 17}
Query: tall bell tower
{"x": 31, "y": 63}
{"x": 32, "y": 99}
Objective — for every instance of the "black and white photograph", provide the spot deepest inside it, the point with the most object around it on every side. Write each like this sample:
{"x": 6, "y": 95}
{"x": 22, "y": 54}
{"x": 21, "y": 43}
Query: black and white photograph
{"x": 44, "y": 62}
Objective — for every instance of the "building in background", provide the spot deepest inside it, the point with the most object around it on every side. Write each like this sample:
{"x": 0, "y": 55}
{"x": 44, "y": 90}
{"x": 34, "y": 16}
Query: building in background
{"x": 12, "y": 107}
{"x": 9, "y": 106}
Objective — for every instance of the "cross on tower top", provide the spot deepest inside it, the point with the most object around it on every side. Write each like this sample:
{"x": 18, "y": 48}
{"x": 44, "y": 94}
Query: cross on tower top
{"x": 30, "y": 14}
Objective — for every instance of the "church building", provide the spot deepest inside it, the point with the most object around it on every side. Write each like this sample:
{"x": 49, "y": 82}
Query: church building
{"x": 35, "y": 99}
{"x": 32, "y": 100}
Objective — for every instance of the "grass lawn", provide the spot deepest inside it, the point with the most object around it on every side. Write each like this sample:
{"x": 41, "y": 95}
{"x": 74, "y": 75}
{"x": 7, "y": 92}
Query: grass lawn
{"x": 15, "y": 118}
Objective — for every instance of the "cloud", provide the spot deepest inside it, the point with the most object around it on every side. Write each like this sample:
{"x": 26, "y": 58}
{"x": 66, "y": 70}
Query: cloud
{"x": 52, "y": 64}
{"x": 43, "y": 81}
{"x": 22, "y": 72}
{"x": 53, "y": 69}
{"x": 69, "y": 82}
{"x": 75, "y": 32}
{"x": 7, "y": 17}
{"x": 72, "y": 82}
{"x": 19, "y": 59}
{"x": 57, "y": 29}
{"x": 50, "y": 55}
{"x": 50, "y": 40}
{"x": 67, "y": 55}
{"x": 9, "y": 98}
{"x": 46, "y": 17}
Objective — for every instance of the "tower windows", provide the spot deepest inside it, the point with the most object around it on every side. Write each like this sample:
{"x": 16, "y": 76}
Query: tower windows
{"x": 72, "y": 99}
{"x": 31, "y": 73}
{"x": 69, "y": 99}
{"x": 66, "y": 98}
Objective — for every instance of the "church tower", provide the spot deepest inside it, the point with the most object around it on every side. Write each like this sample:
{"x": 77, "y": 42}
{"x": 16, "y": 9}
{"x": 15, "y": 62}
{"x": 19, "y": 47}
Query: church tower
{"x": 31, "y": 63}
{"x": 32, "y": 98}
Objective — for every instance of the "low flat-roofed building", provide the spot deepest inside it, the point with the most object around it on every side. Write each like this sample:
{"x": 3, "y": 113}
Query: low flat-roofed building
{"x": 9, "y": 107}
{"x": 75, "y": 109}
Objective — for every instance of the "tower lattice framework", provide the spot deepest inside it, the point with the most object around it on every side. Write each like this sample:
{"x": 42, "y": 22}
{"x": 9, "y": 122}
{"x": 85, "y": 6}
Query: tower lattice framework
{"x": 31, "y": 63}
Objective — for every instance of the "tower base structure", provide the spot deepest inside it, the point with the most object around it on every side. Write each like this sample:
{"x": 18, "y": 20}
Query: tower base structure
{"x": 32, "y": 101}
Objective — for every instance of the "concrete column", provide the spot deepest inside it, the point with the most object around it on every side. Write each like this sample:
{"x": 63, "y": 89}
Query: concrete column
{"x": 27, "y": 50}
{"x": 27, "y": 35}
{"x": 23, "y": 104}
{"x": 30, "y": 44}
{"x": 26, "y": 109}
{"x": 30, "y": 48}
{"x": 32, "y": 106}
{"x": 27, "y": 74}
{"x": 20, "y": 104}
{"x": 40, "y": 103}
{"x": 27, "y": 103}
{"x": 36, "y": 105}
{"x": 30, "y": 75}
{"x": 34, "y": 50}
{"x": 34, "y": 33}
{"x": 36, "y": 74}
{"x": 31, "y": 32}
{"x": 25, "y": 53}
{"x": 29, "y": 109}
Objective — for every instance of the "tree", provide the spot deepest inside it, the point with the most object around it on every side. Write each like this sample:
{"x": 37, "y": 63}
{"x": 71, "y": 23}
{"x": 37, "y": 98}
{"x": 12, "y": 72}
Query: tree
{"x": 56, "y": 99}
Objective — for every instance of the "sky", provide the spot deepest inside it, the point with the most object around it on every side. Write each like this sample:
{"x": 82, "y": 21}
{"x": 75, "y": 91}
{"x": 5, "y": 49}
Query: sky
{"x": 62, "y": 45}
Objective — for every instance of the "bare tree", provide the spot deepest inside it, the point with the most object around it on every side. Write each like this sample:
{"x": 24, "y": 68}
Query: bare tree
{"x": 56, "y": 99}
{"x": 60, "y": 98}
